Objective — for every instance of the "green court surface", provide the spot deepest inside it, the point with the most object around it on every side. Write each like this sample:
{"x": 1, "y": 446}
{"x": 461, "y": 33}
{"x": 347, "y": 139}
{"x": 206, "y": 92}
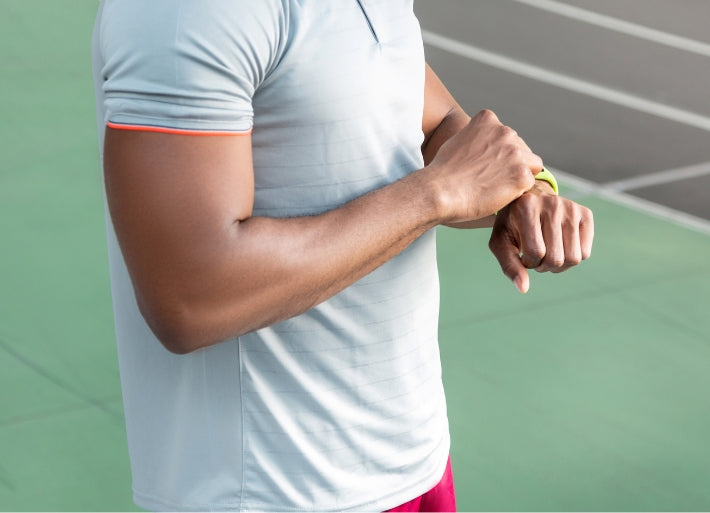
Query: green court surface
{"x": 588, "y": 393}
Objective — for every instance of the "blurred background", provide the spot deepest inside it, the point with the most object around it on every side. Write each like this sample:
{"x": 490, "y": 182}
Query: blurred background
{"x": 589, "y": 393}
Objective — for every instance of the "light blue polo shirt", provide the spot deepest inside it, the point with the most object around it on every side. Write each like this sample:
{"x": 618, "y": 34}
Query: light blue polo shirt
{"x": 341, "y": 408}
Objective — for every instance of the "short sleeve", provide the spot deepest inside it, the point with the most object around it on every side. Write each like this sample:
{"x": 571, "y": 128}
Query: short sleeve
{"x": 184, "y": 65}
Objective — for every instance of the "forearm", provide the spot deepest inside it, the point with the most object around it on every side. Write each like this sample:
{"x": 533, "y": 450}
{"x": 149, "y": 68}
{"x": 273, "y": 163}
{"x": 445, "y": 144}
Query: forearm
{"x": 269, "y": 269}
{"x": 451, "y": 125}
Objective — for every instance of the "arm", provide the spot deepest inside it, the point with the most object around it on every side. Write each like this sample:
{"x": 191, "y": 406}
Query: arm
{"x": 204, "y": 269}
{"x": 443, "y": 118}
{"x": 538, "y": 230}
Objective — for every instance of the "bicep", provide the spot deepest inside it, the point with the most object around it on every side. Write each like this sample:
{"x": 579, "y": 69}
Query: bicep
{"x": 173, "y": 199}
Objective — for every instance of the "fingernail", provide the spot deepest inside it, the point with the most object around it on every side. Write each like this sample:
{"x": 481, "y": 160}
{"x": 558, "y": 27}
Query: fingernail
{"x": 518, "y": 281}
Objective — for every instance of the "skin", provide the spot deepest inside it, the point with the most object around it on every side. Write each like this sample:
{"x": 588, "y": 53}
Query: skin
{"x": 539, "y": 230}
{"x": 205, "y": 270}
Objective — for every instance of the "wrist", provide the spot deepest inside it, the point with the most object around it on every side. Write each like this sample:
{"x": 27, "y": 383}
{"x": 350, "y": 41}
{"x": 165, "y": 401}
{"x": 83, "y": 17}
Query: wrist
{"x": 546, "y": 177}
{"x": 431, "y": 192}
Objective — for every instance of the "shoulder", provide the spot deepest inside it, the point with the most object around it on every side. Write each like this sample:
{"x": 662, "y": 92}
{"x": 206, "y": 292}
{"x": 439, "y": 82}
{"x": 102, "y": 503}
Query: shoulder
{"x": 182, "y": 28}
{"x": 192, "y": 63}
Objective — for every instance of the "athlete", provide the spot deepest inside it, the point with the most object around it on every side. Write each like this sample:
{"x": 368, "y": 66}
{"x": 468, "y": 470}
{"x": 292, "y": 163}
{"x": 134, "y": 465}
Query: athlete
{"x": 274, "y": 175}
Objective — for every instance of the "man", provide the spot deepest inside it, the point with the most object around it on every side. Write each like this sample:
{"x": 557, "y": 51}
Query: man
{"x": 274, "y": 173}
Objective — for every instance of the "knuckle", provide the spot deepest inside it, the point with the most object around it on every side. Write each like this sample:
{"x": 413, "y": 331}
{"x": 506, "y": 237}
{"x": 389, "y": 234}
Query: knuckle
{"x": 530, "y": 262}
{"x": 487, "y": 115}
{"x": 580, "y": 212}
{"x": 553, "y": 209}
{"x": 521, "y": 172}
{"x": 505, "y": 132}
{"x": 536, "y": 253}
{"x": 512, "y": 153}
{"x": 574, "y": 258}
{"x": 554, "y": 260}
{"x": 526, "y": 206}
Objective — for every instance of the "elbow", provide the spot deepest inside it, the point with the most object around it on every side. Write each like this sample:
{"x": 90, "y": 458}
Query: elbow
{"x": 175, "y": 341}
{"x": 174, "y": 333}
{"x": 183, "y": 326}
{"x": 176, "y": 328}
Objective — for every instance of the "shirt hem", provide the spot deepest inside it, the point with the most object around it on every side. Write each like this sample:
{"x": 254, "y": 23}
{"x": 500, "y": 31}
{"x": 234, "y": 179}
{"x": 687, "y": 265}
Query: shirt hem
{"x": 153, "y": 503}
{"x": 239, "y": 123}
{"x": 176, "y": 131}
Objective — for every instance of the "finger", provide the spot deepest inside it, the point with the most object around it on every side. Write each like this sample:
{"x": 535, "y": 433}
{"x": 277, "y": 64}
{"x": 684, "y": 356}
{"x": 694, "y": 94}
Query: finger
{"x": 586, "y": 233}
{"x": 572, "y": 245}
{"x": 507, "y": 254}
{"x": 554, "y": 257}
{"x": 532, "y": 242}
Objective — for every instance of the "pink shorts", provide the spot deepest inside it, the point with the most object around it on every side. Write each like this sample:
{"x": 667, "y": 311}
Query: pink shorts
{"x": 440, "y": 498}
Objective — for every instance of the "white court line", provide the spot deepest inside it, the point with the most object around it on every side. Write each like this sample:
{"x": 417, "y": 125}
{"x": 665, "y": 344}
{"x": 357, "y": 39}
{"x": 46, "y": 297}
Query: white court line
{"x": 565, "y": 81}
{"x": 668, "y": 176}
{"x": 624, "y": 27}
{"x": 588, "y": 188}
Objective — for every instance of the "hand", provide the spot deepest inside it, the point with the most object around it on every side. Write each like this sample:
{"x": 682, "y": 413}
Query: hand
{"x": 541, "y": 231}
{"x": 482, "y": 168}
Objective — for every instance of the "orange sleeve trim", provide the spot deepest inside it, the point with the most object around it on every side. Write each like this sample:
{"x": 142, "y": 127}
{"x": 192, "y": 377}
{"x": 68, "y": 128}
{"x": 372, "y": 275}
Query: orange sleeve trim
{"x": 178, "y": 131}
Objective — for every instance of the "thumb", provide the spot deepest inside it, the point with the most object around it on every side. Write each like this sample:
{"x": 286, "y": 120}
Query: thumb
{"x": 508, "y": 256}
{"x": 521, "y": 280}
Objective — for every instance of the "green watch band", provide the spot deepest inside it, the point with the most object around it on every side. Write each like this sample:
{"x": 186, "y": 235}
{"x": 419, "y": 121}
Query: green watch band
{"x": 549, "y": 178}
